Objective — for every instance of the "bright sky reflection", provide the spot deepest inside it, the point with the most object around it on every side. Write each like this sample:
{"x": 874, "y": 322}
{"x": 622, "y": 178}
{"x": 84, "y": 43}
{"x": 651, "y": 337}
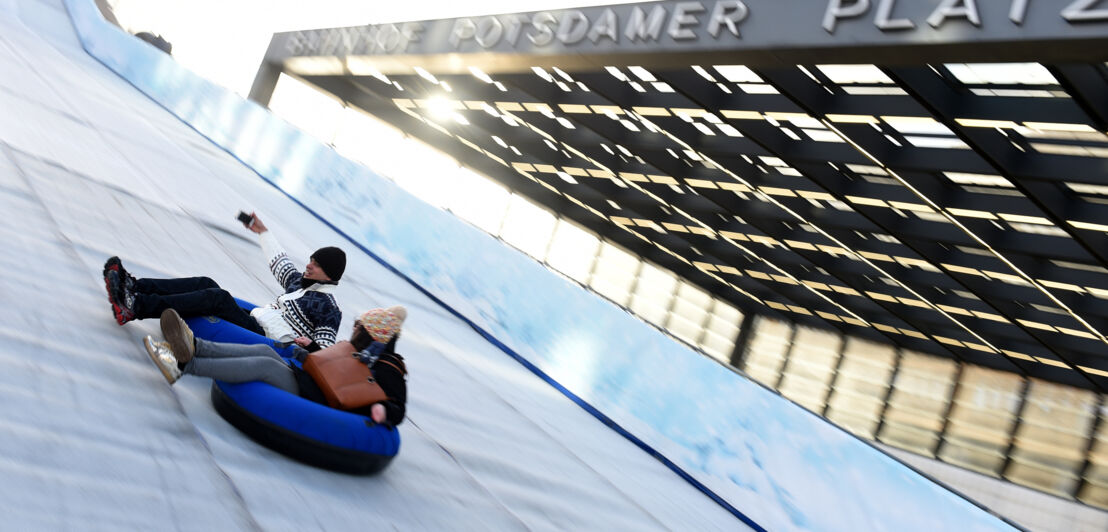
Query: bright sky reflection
{"x": 224, "y": 41}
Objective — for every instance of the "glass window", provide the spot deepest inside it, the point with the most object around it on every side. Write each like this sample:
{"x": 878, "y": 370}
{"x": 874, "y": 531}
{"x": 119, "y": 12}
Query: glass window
{"x": 982, "y": 418}
{"x": 917, "y": 405}
{"x": 389, "y": 153}
{"x": 1002, "y": 73}
{"x": 767, "y": 349}
{"x": 572, "y": 251}
{"x": 691, "y": 302}
{"x": 717, "y": 346}
{"x": 653, "y": 294}
{"x": 1054, "y": 432}
{"x": 725, "y": 319}
{"x": 301, "y": 105}
{"x": 720, "y": 331}
{"x": 685, "y": 328}
{"x": 918, "y": 125}
{"x": 615, "y": 271}
{"x": 479, "y": 200}
{"x": 429, "y": 174}
{"x": 811, "y": 367}
{"x": 363, "y": 138}
{"x": 1095, "y": 488}
{"x": 737, "y": 74}
{"x": 689, "y": 313}
{"x": 861, "y": 386}
{"x": 527, "y": 226}
{"x": 855, "y": 74}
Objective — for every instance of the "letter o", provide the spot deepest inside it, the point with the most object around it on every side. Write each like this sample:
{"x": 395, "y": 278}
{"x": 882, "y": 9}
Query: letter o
{"x": 489, "y": 32}
{"x": 388, "y": 37}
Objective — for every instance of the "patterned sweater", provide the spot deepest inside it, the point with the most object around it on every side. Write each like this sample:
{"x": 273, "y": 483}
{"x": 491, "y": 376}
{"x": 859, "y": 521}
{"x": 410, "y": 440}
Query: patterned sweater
{"x": 311, "y": 312}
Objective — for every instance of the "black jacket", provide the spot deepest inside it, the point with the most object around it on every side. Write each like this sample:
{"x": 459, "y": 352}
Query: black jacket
{"x": 389, "y": 371}
{"x": 391, "y": 374}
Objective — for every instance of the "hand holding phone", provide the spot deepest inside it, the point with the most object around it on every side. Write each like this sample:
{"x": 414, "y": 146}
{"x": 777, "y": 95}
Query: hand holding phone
{"x": 252, "y": 222}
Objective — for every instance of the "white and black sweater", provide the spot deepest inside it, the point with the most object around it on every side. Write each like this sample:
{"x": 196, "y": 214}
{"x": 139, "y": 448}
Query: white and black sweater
{"x": 311, "y": 312}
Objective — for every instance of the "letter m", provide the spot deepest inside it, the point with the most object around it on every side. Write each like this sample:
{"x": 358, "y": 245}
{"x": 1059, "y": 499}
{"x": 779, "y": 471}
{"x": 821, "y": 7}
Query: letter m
{"x": 643, "y": 28}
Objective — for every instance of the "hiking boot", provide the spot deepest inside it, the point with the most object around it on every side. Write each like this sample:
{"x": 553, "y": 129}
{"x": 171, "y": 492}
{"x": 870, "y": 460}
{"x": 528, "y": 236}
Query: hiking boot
{"x": 162, "y": 355}
{"x": 179, "y": 336}
{"x": 122, "y": 300}
{"x": 114, "y": 264}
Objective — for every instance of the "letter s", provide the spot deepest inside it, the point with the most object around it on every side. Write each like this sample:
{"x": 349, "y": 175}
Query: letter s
{"x": 543, "y": 22}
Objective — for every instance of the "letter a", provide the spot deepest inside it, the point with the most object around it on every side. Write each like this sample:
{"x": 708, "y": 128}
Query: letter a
{"x": 1080, "y": 11}
{"x": 951, "y": 8}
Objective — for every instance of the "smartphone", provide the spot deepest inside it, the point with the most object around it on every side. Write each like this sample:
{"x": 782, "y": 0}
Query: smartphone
{"x": 246, "y": 219}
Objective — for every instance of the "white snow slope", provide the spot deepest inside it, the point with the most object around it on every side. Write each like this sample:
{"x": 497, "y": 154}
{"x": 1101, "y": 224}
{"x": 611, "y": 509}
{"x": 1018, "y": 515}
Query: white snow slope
{"x": 92, "y": 438}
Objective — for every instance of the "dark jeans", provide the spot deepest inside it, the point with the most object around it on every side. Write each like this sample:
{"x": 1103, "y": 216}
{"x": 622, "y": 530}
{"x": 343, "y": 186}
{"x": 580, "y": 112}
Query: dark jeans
{"x": 190, "y": 296}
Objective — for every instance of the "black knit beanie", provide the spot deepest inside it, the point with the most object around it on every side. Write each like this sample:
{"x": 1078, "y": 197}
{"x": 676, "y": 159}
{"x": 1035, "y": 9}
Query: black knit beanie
{"x": 332, "y": 260}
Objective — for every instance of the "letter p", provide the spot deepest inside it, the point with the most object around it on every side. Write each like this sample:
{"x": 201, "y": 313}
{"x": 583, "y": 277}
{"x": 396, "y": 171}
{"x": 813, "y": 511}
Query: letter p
{"x": 464, "y": 29}
{"x": 836, "y": 11}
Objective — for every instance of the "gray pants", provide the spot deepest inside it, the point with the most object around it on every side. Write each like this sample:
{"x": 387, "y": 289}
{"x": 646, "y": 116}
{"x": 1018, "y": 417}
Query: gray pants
{"x": 236, "y": 363}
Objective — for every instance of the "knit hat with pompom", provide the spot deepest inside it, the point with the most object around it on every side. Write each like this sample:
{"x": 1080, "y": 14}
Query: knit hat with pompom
{"x": 383, "y": 324}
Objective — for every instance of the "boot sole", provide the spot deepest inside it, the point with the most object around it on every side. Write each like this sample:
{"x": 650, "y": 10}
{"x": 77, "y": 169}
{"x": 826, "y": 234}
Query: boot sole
{"x": 173, "y": 329}
{"x": 121, "y": 314}
{"x": 111, "y": 265}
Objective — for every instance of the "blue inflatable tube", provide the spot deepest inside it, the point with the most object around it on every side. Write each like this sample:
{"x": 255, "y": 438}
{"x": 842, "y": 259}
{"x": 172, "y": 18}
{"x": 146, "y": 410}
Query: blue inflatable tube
{"x": 306, "y": 431}
{"x": 216, "y": 330}
{"x": 289, "y": 424}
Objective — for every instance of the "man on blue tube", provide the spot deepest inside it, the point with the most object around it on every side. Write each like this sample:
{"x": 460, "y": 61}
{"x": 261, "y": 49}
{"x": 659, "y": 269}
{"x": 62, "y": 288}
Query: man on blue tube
{"x": 306, "y": 314}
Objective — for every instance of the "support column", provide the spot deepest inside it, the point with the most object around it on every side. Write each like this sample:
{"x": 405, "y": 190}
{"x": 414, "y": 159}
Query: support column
{"x": 264, "y": 83}
{"x": 745, "y": 329}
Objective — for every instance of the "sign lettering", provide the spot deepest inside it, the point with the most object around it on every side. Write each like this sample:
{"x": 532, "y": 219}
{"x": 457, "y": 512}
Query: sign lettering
{"x": 641, "y": 28}
{"x": 883, "y": 20}
{"x": 1018, "y": 12}
{"x": 684, "y": 16}
{"x": 673, "y": 23}
{"x": 607, "y": 26}
{"x": 728, "y": 14}
{"x": 1081, "y": 10}
{"x": 955, "y": 8}
{"x": 839, "y": 10}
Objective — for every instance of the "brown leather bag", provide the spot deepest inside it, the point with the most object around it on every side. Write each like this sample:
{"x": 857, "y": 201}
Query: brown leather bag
{"x": 345, "y": 381}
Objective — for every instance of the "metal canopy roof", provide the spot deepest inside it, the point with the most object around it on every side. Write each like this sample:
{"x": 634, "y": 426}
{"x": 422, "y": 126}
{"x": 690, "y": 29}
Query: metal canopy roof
{"x": 953, "y": 208}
